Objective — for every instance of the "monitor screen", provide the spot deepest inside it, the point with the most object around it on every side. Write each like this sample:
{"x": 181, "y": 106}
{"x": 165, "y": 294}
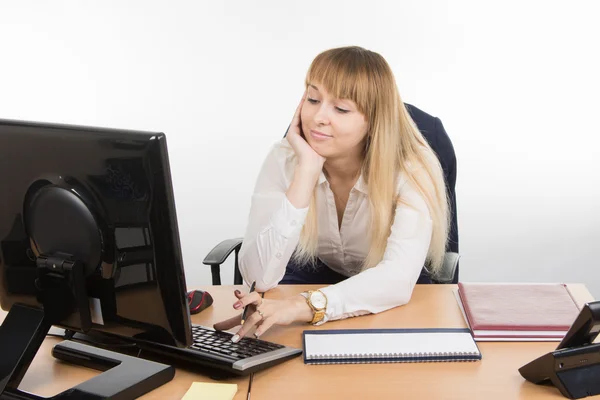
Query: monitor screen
{"x": 102, "y": 198}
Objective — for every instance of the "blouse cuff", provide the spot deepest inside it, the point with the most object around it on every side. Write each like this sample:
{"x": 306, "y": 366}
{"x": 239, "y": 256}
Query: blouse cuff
{"x": 334, "y": 303}
{"x": 288, "y": 220}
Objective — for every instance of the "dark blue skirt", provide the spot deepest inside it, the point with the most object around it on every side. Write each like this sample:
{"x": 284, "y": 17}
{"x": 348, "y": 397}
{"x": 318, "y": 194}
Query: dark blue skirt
{"x": 321, "y": 274}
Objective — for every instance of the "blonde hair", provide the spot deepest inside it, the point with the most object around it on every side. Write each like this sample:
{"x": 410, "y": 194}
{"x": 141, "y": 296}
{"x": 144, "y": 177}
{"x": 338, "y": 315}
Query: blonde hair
{"x": 394, "y": 147}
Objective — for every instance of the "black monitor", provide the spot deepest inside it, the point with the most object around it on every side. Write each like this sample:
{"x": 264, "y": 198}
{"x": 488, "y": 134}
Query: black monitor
{"x": 88, "y": 240}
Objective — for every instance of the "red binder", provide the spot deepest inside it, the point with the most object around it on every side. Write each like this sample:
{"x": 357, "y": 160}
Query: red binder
{"x": 515, "y": 311}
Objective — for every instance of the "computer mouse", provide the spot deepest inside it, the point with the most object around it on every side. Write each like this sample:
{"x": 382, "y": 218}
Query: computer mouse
{"x": 199, "y": 300}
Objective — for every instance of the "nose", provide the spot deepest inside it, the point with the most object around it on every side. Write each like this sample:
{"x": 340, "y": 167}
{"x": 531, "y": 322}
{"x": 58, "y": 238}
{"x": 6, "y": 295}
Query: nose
{"x": 321, "y": 117}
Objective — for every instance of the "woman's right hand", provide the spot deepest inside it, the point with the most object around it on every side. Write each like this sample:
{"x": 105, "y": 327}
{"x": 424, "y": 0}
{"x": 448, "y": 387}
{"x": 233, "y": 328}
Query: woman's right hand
{"x": 308, "y": 159}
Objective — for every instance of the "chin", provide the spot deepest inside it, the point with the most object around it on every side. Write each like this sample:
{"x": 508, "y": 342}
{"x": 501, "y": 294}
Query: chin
{"x": 320, "y": 149}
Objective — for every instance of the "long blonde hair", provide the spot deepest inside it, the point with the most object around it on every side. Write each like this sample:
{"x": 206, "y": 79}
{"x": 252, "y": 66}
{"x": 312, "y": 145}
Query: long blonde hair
{"x": 394, "y": 146}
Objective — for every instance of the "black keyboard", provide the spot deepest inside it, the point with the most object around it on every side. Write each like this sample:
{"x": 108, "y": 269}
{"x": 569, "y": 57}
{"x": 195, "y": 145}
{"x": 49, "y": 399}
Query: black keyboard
{"x": 215, "y": 350}
{"x": 219, "y": 343}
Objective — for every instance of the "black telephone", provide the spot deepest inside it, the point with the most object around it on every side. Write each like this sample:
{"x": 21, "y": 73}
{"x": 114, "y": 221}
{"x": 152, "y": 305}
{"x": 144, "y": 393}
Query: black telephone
{"x": 574, "y": 367}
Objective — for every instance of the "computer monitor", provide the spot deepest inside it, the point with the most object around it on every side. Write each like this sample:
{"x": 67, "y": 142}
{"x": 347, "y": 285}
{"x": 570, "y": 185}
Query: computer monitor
{"x": 88, "y": 234}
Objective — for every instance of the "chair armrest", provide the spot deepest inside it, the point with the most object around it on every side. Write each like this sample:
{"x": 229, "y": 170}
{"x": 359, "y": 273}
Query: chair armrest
{"x": 220, "y": 252}
{"x": 446, "y": 273}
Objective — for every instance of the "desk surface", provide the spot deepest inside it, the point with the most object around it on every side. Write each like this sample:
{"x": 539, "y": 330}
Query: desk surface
{"x": 496, "y": 376}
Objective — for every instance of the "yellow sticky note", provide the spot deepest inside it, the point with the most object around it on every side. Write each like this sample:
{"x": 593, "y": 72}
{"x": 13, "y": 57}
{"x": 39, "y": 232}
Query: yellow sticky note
{"x": 216, "y": 391}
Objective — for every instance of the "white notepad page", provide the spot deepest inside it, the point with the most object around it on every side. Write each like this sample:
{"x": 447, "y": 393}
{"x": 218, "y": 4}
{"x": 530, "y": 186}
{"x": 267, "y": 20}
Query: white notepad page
{"x": 394, "y": 343}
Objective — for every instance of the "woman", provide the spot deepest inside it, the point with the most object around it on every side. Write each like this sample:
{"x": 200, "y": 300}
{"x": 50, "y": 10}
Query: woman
{"x": 353, "y": 197}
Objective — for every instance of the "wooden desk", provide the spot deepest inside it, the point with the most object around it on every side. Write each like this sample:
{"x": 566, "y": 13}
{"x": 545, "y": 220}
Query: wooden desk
{"x": 496, "y": 376}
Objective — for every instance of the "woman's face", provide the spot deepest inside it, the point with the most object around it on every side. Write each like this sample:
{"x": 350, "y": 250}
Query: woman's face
{"x": 333, "y": 127}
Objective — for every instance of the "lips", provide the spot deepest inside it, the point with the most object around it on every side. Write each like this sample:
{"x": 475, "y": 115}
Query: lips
{"x": 319, "y": 135}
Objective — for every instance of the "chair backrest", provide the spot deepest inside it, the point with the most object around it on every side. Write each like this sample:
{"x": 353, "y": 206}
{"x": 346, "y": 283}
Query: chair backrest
{"x": 433, "y": 131}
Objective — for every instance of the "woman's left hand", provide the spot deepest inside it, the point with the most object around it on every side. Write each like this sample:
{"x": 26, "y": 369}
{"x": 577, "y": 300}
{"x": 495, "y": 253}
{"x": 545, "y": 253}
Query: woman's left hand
{"x": 265, "y": 313}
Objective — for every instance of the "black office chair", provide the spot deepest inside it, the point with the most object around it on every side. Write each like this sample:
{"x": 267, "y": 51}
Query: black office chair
{"x": 435, "y": 134}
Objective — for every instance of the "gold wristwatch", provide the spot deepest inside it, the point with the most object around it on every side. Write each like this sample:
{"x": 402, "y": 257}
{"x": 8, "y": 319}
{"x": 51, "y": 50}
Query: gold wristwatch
{"x": 317, "y": 301}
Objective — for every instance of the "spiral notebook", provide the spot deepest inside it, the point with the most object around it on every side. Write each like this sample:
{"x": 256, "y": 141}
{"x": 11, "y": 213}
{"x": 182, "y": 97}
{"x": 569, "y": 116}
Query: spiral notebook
{"x": 365, "y": 346}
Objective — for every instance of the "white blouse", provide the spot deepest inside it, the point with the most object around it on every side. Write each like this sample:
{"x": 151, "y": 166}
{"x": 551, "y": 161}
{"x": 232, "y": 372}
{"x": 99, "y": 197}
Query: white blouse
{"x": 274, "y": 227}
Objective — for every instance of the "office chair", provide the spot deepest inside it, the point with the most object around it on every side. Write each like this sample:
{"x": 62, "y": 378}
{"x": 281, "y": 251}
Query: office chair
{"x": 435, "y": 134}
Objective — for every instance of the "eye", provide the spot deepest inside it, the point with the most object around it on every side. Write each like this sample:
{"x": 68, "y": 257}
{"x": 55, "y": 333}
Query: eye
{"x": 341, "y": 110}
{"x": 312, "y": 101}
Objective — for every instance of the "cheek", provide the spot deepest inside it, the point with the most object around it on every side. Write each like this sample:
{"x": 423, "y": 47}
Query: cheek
{"x": 305, "y": 113}
{"x": 303, "y": 118}
{"x": 353, "y": 130}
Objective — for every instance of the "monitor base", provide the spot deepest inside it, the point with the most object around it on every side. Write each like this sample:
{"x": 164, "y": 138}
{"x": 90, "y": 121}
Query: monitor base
{"x": 124, "y": 377}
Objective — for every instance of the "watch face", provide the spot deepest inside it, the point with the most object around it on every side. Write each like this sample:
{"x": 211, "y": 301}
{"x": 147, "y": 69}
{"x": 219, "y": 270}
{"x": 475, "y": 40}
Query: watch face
{"x": 318, "y": 300}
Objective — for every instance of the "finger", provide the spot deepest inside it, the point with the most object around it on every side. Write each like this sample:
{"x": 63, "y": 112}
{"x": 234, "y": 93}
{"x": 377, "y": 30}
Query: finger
{"x": 228, "y": 323}
{"x": 248, "y": 298}
{"x": 266, "y": 324}
{"x": 254, "y": 319}
{"x": 296, "y": 119}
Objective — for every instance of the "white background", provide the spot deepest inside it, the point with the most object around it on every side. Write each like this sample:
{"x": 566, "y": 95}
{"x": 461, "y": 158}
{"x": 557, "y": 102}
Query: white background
{"x": 516, "y": 84}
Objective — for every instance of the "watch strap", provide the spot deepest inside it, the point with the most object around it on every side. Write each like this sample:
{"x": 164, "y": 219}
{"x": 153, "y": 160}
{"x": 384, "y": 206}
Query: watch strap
{"x": 318, "y": 317}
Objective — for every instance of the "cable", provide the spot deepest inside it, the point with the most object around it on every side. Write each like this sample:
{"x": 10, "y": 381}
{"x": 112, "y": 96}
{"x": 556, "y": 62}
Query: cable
{"x": 69, "y": 335}
{"x": 56, "y": 335}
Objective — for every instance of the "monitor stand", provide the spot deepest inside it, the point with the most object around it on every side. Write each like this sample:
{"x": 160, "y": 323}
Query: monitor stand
{"x": 61, "y": 290}
{"x": 125, "y": 377}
